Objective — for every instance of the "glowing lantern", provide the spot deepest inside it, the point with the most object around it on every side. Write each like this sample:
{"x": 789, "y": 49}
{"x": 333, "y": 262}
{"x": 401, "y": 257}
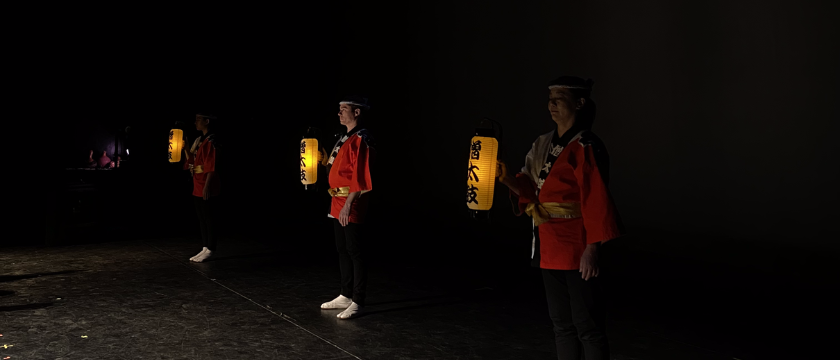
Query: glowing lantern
{"x": 176, "y": 145}
{"x": 481, "y": 171}
{"x": 309, "y": 161}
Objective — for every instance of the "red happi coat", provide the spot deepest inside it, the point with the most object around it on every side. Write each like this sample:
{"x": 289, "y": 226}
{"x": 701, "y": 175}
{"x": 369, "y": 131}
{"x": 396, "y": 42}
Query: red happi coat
{"x": 351, "y": 168}
{"x": 204, "y": 154}
{"x": 575, "y": 177}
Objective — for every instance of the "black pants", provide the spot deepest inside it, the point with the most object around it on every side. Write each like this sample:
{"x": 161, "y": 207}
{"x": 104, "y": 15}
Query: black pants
{"x": 577, "y": 311}
{"x": 348, "y": 242}
{"x": 205, "y": 210}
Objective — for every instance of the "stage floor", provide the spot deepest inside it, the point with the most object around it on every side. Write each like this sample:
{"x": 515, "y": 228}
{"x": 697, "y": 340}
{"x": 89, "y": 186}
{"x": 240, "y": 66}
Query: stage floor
{"x": 145, "y": 300}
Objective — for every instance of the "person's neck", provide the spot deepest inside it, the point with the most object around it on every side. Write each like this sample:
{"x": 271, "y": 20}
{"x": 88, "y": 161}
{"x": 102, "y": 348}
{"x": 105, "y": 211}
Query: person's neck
{"x": 564, "y": 125}
{"x": 204, "y": 131}
{"x": 352, "y": 126}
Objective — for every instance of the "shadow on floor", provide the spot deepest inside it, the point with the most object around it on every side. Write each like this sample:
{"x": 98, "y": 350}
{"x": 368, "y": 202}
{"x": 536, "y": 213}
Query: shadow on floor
{"x": 412, "y": 307}
{"x": 25, "y": 307}
{"x": 413, "y": 299}
{"x": 246, "y": 256}
{"x": 452, "y": 294}
{"x": 7, "y": 278}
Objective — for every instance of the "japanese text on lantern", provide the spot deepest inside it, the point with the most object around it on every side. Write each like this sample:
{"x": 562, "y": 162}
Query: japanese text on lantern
{"x": 309, "y": 161}
{"x": 176, "y": 145}
{"x": 475, "y": 150}
{"x": 481, "y": 172}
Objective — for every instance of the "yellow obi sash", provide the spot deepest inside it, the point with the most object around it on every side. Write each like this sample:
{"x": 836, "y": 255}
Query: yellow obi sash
{"x": 340, "y": 192}
{"x": 552, "y": 210}
{"x": 198, "y": 169}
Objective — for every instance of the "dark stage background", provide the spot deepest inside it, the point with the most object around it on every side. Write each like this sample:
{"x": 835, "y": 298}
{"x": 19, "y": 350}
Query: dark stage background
{"x": 718, "y": 116}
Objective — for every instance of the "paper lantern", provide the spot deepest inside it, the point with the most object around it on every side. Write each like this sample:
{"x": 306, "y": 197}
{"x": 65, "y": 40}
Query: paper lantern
{"x": 176, "y": 145}
{"x": 309, "y": 161}
{"x": 481, "y": 172}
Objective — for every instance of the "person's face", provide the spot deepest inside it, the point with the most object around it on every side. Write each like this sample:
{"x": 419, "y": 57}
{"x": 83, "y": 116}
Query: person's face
{"x": 346, "y": 114}
{"x": 562, "y": 104}
{"x": 201, "y": 123}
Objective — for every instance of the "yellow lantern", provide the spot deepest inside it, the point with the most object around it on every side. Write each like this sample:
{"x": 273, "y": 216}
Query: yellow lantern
{"x": 481, "y": 172}
{"x": 309, "y": 161}
{"x": 176, "y": 145}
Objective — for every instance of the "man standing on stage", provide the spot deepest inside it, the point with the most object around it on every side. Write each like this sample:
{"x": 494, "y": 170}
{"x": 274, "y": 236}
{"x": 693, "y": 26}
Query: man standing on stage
{"x": 349, "y": 176}
{"x": 563, "y": 186}
{"x": 201, "y": 161}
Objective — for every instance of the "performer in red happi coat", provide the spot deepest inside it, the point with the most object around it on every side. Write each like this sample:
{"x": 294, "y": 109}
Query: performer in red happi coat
{"x": 563, "y": 187}
{"x": 349, "y": 167}
{"x": 201, "y": 161}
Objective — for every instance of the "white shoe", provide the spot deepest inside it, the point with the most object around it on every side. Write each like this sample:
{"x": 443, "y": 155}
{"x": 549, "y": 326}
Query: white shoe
{"x": 203, "y": 256}
{"x": 199, "y": 254}
{"x": 354, "y": 310}
{"x": 341, "y": 302}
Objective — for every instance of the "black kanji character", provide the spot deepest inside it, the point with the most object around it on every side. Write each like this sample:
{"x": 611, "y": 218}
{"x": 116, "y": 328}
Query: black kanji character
{"x": 476, "y": 150}
{"x": 471, "y": 172}
{"x": 472, "y": 194}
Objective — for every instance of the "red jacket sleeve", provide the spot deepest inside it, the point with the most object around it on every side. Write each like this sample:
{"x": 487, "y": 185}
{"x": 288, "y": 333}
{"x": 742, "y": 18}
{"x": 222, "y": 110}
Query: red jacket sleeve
{"x": 188, "y": 162}
{"x": 210, "y": 157}
{"x": 597, "y": 207}
{"x": 527, "y": 191}
{"x": 191, "y": 160}
{"x": 361, "y": 168}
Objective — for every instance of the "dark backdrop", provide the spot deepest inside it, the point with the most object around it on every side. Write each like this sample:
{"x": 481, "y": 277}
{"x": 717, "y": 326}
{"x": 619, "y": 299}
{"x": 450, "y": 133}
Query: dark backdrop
{"x": 719, "y": 118}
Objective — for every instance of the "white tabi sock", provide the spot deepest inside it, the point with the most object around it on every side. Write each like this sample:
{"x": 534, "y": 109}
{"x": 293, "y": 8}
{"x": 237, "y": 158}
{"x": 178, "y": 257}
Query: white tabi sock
{"x": 341, "y": 302}
{"x": 199, "y": 253}
{"x": 203, "y": 256}
{"x": 352, "y": 311}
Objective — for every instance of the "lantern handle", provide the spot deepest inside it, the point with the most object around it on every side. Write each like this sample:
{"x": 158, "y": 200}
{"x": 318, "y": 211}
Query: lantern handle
{"x": 500, "y": 132}
{"x": 313, "y": 130}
